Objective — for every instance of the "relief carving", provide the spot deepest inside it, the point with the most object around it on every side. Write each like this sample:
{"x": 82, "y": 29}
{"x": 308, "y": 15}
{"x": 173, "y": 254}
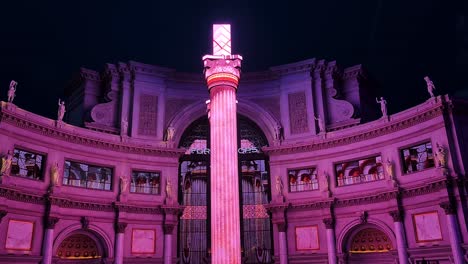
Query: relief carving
{"x": 298, "y": 113}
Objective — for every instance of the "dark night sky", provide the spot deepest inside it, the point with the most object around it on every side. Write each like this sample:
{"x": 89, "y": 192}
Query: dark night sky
{"x": 44, "y": 42}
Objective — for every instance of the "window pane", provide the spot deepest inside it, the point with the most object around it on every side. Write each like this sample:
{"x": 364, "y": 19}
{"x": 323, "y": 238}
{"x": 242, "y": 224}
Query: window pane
{"x": 145, "y": 182}
{"x": 87, "y": 176}
{"x": 417, "y": 158}
{"x": 302, "y": 179}
{"x": 27, "y": 164}
{"x": 359, "y": 171}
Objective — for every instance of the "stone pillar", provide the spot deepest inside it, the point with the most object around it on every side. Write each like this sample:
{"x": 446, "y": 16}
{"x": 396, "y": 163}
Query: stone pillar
{"x": 283, "y": 246}
{"x": 168, "y": 229}
{"x": 48, "y": 243}
{"x": 397, "y": 216}
{"x": 331, "y": 243}
{"x": 222, "y": 73}
{"x": 454, "y": 232}
{"x": 119, "y": 242}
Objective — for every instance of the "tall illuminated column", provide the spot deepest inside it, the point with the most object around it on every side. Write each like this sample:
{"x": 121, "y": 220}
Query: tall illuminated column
{"x": 222, "y": 73}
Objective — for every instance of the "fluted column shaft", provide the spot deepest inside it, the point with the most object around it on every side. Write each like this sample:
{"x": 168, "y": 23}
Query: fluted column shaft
{"x": 48, "y": 242}
{"x": 397, "y": 216}
{"x": 225, "y": 219}
{"x": 454, "y": 232}
{"x": 119, "y": 242}
{"x": 331, "y": 243}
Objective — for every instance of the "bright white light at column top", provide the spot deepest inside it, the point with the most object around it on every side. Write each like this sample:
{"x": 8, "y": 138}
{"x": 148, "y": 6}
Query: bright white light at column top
{"x": 221, "y": 39}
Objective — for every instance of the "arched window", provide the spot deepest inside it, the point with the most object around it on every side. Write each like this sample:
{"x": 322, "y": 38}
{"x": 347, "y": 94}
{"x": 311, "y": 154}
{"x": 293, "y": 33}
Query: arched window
{"x": 78, "y": 246}
{"x": 194, "y": 176}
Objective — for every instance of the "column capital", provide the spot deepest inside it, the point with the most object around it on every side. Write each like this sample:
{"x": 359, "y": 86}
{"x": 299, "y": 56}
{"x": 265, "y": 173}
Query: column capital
{"x": 282, "y": 226}
{"x": 2, "y": 214}
{"x": 169, "y": 228}
{"x": 329, "y": 223}
{"x": 120, "y": 227}
{"x": 397, "y": 215}
{"x": 449, "y": 208}
{"x": 50, "y": 222}
{"x": 222, "y": 70}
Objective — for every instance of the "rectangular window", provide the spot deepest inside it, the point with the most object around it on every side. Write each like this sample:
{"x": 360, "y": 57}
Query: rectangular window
{"x": 27, "y": 164}
{"x": 359, "y": 171}
{"x": 87, "y": 176}
{"x": 417, "y": 158}
{"x": 145, "y": 182}
{"x": 302, "y": 179}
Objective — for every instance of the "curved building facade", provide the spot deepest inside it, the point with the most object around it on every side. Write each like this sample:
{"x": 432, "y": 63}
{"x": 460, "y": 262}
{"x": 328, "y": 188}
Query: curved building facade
{"x": 323, "y": 176}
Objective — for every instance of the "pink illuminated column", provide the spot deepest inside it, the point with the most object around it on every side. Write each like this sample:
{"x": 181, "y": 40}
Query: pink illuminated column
{"x": 454, "y": 233}
{"x": 222, "y": 73}
{"x": 119, "y": 242}
{"x": 47, "y": 248}
{"x": 397, "y": 216}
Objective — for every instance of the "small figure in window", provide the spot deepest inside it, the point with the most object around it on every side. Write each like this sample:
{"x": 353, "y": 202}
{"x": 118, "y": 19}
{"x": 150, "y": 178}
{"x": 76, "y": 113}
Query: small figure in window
{"x": 383, "y": 105}
{"x": 12, "y": 91}
{"x": 430, "y": 86}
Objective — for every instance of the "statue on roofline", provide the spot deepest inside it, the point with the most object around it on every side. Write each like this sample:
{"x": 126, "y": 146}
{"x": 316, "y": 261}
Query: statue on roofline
{"x": 383, "y": 105}
{"x": 12, "y": 91}
{"x": 170, "y": 133}
{"x": 321, "y": 123}
{"x": 430, "y": 86}
{"x": 61, "y": 110}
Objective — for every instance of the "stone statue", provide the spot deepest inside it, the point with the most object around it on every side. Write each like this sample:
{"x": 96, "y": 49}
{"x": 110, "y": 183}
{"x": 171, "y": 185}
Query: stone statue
{"x": 279, "y": 185}
{"x": 6, "y": 163}
{"x": 12, "y": 91}
{"x": 430, "y": 86}
{"x": 383, "y": 105}
{"x": 327, "y": 184}
{"x": 61, "y": 110}
{"x": 54, "y": 174}
{"x": 170, "y": 133}
{"x": 388, "y": 165}
{"x": 441, "y": 154}
{"x": 123, "y": 184}
{"x": 124, "y": 126}
{"x": 279, "y": 132}
{"x": 321, "y": 123}
{"x": 168, "y": 189}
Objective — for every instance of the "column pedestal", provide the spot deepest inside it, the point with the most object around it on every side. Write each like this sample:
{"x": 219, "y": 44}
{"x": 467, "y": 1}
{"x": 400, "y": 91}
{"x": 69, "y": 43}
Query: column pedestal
{"x": 400, "y": 236}
{"x": 119, "y": 242}
{"x": 454, "y": 232}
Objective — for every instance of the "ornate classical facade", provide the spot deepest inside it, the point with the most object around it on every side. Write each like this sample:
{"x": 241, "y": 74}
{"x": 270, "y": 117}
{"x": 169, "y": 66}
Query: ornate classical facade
{"x": 94, "y": 188}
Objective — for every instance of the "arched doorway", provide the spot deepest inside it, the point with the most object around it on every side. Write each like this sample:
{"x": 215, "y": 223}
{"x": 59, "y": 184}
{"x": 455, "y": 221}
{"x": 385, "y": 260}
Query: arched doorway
{"x": 80, "y": 248}
{"x": 369, "y": 244}
{"x": 194, "y": 186}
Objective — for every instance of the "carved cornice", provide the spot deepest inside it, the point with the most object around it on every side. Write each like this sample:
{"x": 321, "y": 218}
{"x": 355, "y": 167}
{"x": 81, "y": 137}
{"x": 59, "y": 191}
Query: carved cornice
{"x": 397, "y": 215}
{"x": 68, "y": 203}
{"x": 50, "y": 222}
{"x": 426, "y": 188}
{"x": 120, "y": 227}
{"x": 21, "y": 197}
{"x": 312, "y": 204}
{"x": 139, "y": 209}
{"x": 369, "y": 199}
{"x": 329, "y": 223}
{"x": 449, "y": 208}
{"x": 359, "y": 136}
{"x": 86, "y": 140}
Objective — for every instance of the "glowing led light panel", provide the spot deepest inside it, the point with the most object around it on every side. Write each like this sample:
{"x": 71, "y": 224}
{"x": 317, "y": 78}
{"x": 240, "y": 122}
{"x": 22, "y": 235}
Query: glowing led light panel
{"x": 221, "y": 39}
